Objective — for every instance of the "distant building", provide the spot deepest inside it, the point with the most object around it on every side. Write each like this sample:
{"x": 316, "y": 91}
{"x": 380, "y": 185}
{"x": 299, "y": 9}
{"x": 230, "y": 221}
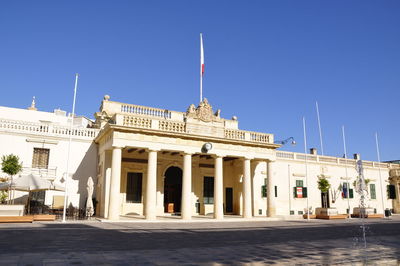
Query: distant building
{"x": 151, "y": 162}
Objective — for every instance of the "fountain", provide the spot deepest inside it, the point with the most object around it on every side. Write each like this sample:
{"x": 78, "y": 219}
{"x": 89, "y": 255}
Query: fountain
{"x": 361, "y": 189}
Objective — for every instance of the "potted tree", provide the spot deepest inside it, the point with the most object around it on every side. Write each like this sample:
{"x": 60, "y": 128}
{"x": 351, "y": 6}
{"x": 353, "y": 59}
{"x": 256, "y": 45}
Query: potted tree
{"x": 10, "y": 165}
{"x": 325, "y": 210}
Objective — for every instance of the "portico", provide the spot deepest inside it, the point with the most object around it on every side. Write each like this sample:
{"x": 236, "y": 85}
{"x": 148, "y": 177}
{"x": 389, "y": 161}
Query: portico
{"x": 154, "y": 162}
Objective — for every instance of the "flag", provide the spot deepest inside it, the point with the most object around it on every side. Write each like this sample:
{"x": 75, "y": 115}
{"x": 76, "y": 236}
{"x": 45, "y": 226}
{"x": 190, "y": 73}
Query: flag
{"x": 201, "y": 56}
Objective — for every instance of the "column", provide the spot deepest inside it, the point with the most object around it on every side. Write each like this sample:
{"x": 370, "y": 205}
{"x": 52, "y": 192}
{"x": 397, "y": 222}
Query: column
{"x": 186, "y": 208}
{"x": 246, "y": 189}
{"x": 151, "y": 186}
{"x": 218, "y": 189}
{"x": 271, "y": 208}
{"x": 115, "y": 184}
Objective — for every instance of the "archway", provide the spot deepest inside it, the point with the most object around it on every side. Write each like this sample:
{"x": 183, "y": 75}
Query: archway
{"x": 173, "y": 189}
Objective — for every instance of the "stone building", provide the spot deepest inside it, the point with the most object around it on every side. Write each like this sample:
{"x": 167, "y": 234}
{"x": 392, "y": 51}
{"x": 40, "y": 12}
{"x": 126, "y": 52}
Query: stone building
{"x": 153, "y": 162}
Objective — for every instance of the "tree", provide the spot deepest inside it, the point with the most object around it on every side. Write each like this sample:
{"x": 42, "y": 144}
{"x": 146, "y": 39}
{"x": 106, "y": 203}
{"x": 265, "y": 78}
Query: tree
{"x": 10, "y": 165}
{"x": 324, "y": 186}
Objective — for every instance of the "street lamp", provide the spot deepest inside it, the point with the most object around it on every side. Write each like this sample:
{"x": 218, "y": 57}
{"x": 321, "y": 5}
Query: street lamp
{"x": 283, "y": 142}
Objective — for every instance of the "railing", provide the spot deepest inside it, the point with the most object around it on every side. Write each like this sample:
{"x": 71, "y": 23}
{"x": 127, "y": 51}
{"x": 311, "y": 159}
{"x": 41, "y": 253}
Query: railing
{"x": 48, "y": 173}
{"x": 23, "y": 126}
{"x": 285, "y": 155}
{"x": 332, "y": 160}
{"x": 172, "y": 126}
{"x": 234, "y": 134}
{"x": 134, "y": 121}
{"x": 39, "y": 128}
{"x": 78, "y": 132}
{"x": 260, "y": 137}
{"x": 143, "y": 110}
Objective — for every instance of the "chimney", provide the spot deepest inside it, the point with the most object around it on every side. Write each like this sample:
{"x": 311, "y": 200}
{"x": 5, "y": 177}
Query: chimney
{"x": 313, "y": 151}
{"x": 356, "y": 156}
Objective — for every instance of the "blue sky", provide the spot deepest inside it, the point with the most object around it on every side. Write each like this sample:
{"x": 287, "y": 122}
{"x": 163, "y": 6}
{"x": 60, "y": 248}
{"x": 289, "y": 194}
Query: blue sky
{"x": 267, "y": 62}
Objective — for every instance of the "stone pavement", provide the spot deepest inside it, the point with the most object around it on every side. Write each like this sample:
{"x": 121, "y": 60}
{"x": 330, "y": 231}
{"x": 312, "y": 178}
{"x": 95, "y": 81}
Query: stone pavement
{"x": 297, "y": 242}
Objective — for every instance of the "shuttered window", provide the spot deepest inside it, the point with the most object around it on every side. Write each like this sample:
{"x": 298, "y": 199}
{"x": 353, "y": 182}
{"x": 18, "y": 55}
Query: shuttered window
{"x": 134, "y": 187}
{"x": 372, "y": 191}
{"x": 40, "y": 158}
{"x": 299, "y": 191}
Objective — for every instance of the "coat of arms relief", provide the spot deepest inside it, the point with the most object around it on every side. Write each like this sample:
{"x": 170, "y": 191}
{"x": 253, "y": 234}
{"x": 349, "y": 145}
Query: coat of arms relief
{"x": 203, "y": 112}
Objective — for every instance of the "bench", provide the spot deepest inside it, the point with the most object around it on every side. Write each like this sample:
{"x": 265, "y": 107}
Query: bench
{"x": 16, "y": 219}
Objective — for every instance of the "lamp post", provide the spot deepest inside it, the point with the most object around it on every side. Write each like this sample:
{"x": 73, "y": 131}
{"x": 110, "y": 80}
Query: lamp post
{"x": 285, "y": 141}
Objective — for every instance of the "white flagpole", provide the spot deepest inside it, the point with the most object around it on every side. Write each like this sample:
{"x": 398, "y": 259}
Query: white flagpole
{"x": 305, "y": 161}
{"x": 379, "y": 169}
{"x": 69, "y": 149}
{"x": 347, "y": 176}
{"x": 201, "y": 67}
{"x": 320, "y": 131}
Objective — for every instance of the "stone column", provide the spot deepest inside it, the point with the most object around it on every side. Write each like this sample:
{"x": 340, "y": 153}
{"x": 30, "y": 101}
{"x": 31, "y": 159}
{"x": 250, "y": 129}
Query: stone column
{"x": 218, "y": 189}
{"x": 246, "y": 189}
{"x": 115, "y": 184}
{"x": 186, "y": 208}
{"x": 151, "y": 186}
{"x": 271, "y": 208}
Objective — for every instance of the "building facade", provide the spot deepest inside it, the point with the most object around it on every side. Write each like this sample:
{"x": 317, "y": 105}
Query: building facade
{"x": 152, "y": 162}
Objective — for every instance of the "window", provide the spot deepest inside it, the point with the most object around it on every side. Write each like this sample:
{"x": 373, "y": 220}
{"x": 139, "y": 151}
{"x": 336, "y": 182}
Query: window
{"x": 372, "y": 191}
{"x": 264, "y": 189}
{"x": 344, "y": 191}
{"x": 299, "y": 191}
{"x": 391, "y": 191}
{"x": 134, "y": 188}
{"x": 40, "y": 158}
{"x": 299, "y": 183}
{"x": 208, "y": 192}
{"x": 276, "y": 191}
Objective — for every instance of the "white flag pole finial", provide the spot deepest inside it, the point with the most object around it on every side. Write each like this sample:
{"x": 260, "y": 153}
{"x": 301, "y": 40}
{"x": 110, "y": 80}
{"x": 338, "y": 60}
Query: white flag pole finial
{"x": 201, "y": 66}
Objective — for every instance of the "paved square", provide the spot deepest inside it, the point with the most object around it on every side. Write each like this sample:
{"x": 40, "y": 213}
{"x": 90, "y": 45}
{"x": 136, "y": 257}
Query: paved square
{"x": 201, "y": 243}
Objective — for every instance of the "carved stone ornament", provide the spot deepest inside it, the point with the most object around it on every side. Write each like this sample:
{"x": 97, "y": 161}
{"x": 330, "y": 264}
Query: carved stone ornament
{"x": 203, "y": 112}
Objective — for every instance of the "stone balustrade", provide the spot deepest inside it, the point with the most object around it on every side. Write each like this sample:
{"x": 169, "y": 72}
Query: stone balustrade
{"x": 177, "y": 126}
{"x": 331, "y": 160}
{"x": 46, "y": 129}
{"x": 48, "y": 173}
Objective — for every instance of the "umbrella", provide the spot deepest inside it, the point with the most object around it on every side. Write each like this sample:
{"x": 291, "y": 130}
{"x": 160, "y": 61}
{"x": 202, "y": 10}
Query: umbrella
{"x": 30, "y": 183}
{"x": 89, "y": 202}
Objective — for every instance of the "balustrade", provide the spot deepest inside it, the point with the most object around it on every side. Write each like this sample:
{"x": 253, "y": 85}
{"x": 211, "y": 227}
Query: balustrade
{"x": 142, "y": 110}
{"x": 39, "y": 128}
{"x": 172, "y": 126}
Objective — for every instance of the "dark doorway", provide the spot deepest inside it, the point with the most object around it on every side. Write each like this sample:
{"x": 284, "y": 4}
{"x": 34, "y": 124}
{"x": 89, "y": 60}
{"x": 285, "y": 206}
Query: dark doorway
{"x": 229, "y": 199}
{"x": 173, "y": 189}
{"x": 325, "y": 200}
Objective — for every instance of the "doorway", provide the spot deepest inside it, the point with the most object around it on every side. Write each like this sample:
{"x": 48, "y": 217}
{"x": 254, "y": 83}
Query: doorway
{"x": 173, "y": 189}
{"x": 229, "y": 200}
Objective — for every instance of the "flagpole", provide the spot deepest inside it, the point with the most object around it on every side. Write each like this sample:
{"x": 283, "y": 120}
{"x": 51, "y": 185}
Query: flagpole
{"x": 305, "y": 161}
{"x": 319, "y": 127}
{"x": 379, "y": 169}
{"x": 201, "y": 66}
{"x": 69, "y": 149}
{"x": 345, "y": 167}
